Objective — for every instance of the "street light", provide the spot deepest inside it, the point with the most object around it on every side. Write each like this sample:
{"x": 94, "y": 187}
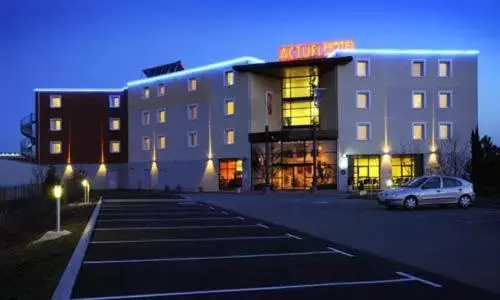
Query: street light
{"x": 58, "y": 190}
{"x": 86, "y": 190}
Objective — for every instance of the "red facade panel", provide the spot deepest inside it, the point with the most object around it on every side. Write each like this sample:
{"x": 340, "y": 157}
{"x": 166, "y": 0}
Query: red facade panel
{"x": 85, "y": 132}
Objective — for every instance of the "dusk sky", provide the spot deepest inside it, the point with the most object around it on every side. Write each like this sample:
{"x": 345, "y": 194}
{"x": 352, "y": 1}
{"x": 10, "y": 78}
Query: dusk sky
{"x": 105, "y": 43}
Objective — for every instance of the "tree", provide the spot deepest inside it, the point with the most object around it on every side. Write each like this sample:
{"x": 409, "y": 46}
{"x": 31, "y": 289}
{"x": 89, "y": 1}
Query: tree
{"x": 476, "y": 161}
{"x": 452, "y": 158}
{"x": 51, "y": 179}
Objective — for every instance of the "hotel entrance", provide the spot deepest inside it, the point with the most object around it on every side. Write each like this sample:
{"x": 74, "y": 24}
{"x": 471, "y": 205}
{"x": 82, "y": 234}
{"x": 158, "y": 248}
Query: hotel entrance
{"x": 297, "y": 177}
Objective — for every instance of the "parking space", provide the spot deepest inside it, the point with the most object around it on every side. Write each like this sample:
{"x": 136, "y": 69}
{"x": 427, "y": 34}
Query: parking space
{"x": 191, "y": 250}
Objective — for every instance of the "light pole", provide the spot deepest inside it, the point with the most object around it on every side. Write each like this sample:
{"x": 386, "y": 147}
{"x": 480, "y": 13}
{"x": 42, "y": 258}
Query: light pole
{"x": 317, "y": 100}
{"x": 86, "y": 190}
{"x": 58, "y": 193}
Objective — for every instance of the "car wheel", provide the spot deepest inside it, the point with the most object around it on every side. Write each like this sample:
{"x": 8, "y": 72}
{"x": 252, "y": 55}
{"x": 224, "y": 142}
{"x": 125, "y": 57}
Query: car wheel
{"x": 410, "y": 203}
{"x": 464, "y": 201}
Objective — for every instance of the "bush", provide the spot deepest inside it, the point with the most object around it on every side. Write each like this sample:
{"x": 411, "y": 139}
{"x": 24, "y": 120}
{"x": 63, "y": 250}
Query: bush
{"x": 51, "y": 179}
{"x": 178, "y": 188}
{"x": 166, "y": 188}
{"x": 200, "y": 189}
{"x": 73, "y": 189}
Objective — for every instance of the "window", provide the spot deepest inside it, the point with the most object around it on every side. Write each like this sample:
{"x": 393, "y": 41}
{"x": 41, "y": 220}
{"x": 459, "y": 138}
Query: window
{"x": 229, "y": 136}
{"x": 418, "y": 68}
{"x": 162, "y": 89}
{"x": 162, "y": 142}
{"x": 230, "y": 174}
{"x": 146, "y": 118}
{"x": 192, "y": 111}
{"x": 228, "y": 78}
{"x": 365, "y": 171}
{"x": 363, "y": 100}
{"x": 362, "y": 68}
{"x": 146, "y": 143}
{"x": 55, "y": 101}
{"x": 192, "y": 84}
{"x": 114, "y": 101}
{"x": 418, "y": 131}
{"x": 146, "y": 93}
{"x": 403, "y": 168}
{"x": 114, "y": 124}
{"x": 444, "y": 68}
{"x": 55, "y": 124}
{"x": 444, "y": 131}
{"x": 363, "y": 131}
{"x": 300, "y": 113}
{"x": 418, "y": 100}
{"x": 444, "y": 99}
{"x": 161, "y": 116}
{"x": 192, "y": 139}
{"x": 449, "y": 182}
{"x": 55, "y": 147}
{"x": 299, "y": 82}
{"x": 114, "y": 147}
{"x": 229, "y": 108}
{"x": 432, "y": 183}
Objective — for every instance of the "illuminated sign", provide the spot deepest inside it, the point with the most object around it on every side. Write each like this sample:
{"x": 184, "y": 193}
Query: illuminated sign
{"x": 313, "y": 50}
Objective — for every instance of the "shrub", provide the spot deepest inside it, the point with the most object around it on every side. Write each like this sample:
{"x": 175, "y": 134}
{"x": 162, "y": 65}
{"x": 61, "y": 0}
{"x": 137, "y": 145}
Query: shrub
{"x": 73, "y": 189}
{"x": 200, "y": 189}
{"x": 166, "y": 188}
{"x": 178, "y": 188}
{"x": 51, "y": 179}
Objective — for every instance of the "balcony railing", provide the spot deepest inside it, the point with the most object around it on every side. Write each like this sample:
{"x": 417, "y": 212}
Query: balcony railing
{"x": 28, "y": 148}
{"x": 28, "y": 127}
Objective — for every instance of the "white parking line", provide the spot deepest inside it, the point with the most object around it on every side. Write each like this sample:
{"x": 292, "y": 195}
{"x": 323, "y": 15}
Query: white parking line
{"x": 419, "y": 279}
{"x": 175, "y": 227}
{"x": 253, "y": 289}
{"x": 168, "y": 219}
{"x": 263, "y": 226}
{"x": 143, "y": 201}
{"x": 211, "y": 207}
{"x": 156, "y": 213}
{"x": 174, "y": 259}
{"x": 340, "y": 252}
{"x": 294, "y": 236}
{"x": 320, "y": 202}
{"x": 236, "y": 238}
{"x": 240, "y": 218}
{"x": 224, "y": 212}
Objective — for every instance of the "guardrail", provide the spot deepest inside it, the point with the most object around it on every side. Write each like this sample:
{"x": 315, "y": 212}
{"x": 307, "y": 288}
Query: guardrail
{"x": 12, "y": 193}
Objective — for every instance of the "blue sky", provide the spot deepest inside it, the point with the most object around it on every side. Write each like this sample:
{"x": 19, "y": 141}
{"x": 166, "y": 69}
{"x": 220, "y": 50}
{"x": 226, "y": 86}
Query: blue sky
{"x": 105, "y": 43}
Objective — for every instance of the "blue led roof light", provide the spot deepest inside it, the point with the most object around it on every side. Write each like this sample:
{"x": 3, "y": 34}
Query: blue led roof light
{"x": 70, "y": 90}
{"x": 222, "y": 64}
{"x": 404, "y": 52}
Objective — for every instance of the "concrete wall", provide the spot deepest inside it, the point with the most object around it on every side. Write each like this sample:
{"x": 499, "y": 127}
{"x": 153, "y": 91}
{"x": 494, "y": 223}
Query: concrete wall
{"x": 328, "y": 108}
{"x": 258, "y": 85}
{"x": 14, "y": 173}
{"x": 107, "y": 176}
{"x": 391, "y": 114}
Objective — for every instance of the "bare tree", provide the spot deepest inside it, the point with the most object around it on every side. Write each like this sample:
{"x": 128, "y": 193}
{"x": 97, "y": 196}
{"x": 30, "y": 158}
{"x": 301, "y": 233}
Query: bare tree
{"x": 452, "y": 158}
{"x": 39, "y": 174}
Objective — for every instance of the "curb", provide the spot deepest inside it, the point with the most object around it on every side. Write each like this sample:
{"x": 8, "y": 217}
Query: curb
{"x": 67, "y": 280}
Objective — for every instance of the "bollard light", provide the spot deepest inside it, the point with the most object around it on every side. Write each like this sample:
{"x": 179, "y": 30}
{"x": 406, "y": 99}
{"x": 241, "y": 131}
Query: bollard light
{"x": 58, "y": 191}
{"x": 85, "y": 183}
{"x": 389, "y": 182}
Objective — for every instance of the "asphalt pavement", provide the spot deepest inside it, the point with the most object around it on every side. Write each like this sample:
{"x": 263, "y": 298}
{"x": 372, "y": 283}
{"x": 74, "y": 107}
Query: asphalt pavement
{"x": 183, "y": 249}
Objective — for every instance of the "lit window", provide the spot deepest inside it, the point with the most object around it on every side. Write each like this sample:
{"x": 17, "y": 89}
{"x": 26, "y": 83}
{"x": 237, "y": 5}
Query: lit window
{"x": 229, "y": 111}
{"x": 146, "y": 93}
{"x": 161, "y": 115}
{"x": 192, "y": 139}
{"x": 229, "y": 78}
{"x": 299, "y": 81}
{"x": 362, "y": 100}
{"x": 114, "y": 101}
{"x": 162, "y": 89}
{"x": 362, "y": 68}
{"x": 55, "y": 147}
{"x": 418, "y": 100}
{"x": 444, "y": 99}
{"x": 444, "y": 68}
{"x": 55, "y": 124}
{"x": 146, "y": 118}
{"x": 162, "y": 142}
{"x": 300, "y": 113}
{"x": 229, "y": 136}
{"x": 444, "y": 131}
{"x": 363, "y": 132}
{"x": 417, "y": 68}
{"x": 192, "y": 84}
{"x": 55, "y": 101}
{"x": 146, "y": 143}
{"x": 114, "y": 124}
{"x": 418, "y": 131}
{"x": 192, "y": 111}
{"x": 114, "y": 147}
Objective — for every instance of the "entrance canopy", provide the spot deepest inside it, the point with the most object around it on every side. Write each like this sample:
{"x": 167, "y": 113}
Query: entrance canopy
{"x": 279, "y": 68}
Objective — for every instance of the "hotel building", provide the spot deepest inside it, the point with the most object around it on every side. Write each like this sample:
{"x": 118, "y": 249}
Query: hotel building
{"x": 380, "y": 116}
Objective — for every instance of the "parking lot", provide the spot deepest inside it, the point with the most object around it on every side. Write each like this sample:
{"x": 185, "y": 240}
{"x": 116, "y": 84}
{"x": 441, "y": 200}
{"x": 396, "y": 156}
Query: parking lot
{"x": 191, "y": 250}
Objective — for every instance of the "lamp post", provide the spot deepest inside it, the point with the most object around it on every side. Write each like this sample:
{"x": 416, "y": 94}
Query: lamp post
{"x": 317, "y": 99}
{"x": 57, "y": 194}
{"x": 86, "y": 190}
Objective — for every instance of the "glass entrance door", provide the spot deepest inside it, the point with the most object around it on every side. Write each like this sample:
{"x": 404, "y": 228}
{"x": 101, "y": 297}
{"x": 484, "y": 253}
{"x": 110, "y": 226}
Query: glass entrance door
{"x": 297, "y": 177}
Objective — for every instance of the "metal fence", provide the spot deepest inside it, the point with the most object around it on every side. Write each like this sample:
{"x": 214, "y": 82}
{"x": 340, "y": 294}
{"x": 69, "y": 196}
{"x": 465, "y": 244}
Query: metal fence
{"x": 19, "y": 192}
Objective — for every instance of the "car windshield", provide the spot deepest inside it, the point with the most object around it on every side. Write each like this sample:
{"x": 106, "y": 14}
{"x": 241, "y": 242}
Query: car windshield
{"x": 416, "y": 182}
